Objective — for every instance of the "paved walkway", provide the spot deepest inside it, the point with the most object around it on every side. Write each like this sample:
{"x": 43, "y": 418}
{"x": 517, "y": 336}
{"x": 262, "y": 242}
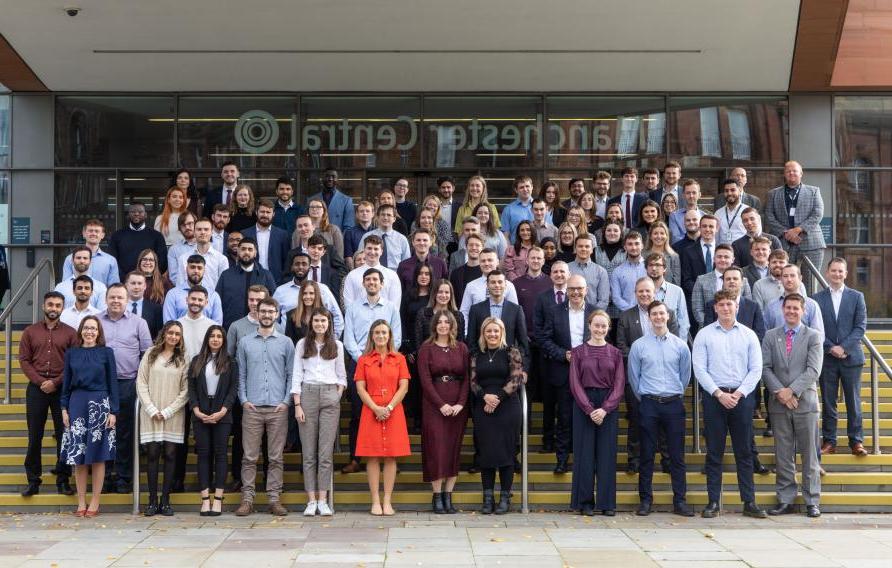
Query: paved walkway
{"x": 540, "y": 540}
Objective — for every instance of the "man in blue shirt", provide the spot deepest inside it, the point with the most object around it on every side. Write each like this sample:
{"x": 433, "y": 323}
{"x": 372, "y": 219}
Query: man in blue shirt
{"x": 659, "y": 373}
{"x": 624, "y": 277}
{"x": 103, "y": 266}
{"x": 728, "y": 365}
{"x": 791, "y": 280}
{"x": 521, "y": 209}
{"x": 175, "y": 305}
{"x": 81, "y": 262}
{"x": 396, "y": 246}
{"x": 340, "y": 205}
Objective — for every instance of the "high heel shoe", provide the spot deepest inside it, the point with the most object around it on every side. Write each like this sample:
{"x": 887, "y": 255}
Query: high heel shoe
{"x": 80, "y": 512}
{"x": 90, "y": 514}
{"x": 212, "y": 512}
{"x": 208, "y": 512}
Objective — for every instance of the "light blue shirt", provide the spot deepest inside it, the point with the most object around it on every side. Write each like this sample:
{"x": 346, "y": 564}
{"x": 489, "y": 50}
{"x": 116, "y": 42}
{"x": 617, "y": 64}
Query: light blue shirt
{"x": 676, "y": 223}
{"x": 103, "y": 267}
{"x": 287, "y": 295}
{"x": 395, "y": 243}
{"x": 673, "y": 297}
{"x": 175, "y": 305}
{"x": 359, "y": 318}
{"x": 597, "y": 281}
{"x": 66, "y": 288}
{"x": 659, "y": 366}
{"x": 265, "y": 368}
{"x": 622, "y": 283}
{"x": 513, "y": 214}
{"x": 173, "y": 256}
{"x": 138, "y": 306}
{"x": 727, "y": 358}
{"x": 795, "y": 332}
{"x": 774, "y": 315}
{"x": 495, "y": 310}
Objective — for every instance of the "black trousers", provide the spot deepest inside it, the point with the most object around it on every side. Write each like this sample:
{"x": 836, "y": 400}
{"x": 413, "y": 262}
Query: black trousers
{"x": 211, "y": 441}
{"x": 594, "y": 455}
{"x": 124, "y": 431}
{"x": 739, "y": 422}
{"x": 37, "y": 404}
{"x": 154, "y": 453}
{"x": 179, "y": 471}
{"x": 662, "y": 420}
{"x": 563, "y": 430}
{"x": 633, "y": 433}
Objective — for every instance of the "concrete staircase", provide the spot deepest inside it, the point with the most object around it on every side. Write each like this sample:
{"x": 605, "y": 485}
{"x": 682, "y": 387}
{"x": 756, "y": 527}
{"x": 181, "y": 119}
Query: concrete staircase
{"x": 851, "y": 484}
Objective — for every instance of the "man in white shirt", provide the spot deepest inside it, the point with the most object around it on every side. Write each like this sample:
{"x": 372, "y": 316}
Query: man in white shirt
{"x": 220, "y": 220}
{"x": 353, "y": 288}
{"x": 214, "y": 261}
{"x": 195, "y": 323}
{"x": 80, "y": 262}
{"x": 81, "y": 308}
{"x": 395, "y": 246}
{"x": 731, "y": 214}
{"x": 288, "y": 294}
{"x": 601, "y": 185}
{"x": 770, "y": 288}
{"x": 476, "y": 290}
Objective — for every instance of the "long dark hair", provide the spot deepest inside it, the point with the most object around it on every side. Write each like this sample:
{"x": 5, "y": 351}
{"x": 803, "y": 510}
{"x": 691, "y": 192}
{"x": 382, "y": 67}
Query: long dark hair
{"x": 299, "y": 310}
{"x": 518, "y": 244}
{"x": 414, "y": 290}
{"x": 179, "y": 351}
{"x": 222, "y": 360}
{"x": 329, "y": 346}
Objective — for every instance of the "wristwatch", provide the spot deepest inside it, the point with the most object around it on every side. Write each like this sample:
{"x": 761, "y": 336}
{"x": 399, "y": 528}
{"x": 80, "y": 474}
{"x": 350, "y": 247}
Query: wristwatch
{"x": 389, "y": 407}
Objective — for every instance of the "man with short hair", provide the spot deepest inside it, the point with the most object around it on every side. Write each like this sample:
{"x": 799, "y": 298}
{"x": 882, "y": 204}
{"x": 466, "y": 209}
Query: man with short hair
{"x": 175, "y": 302}
{"x": 792, "y": 357}
{"x": 541, "y": 227}
{"x": 739, "y": 175}
{"x": 752, "y": 223}
{"x": 272, "y": 242}
{"x": 103, "y": 265}
{"x": 137, "y": 303}
{"x": 214, "y": 262}
{"x": 303, "y": 230}
{"x": 770, "y": 288}
{"x": 498, "y": 305}
{"x": 601, "y": 186}
{"x": 622, "y": 281}
{"x": 791, "y": 280}
{"x": 651, "y": 179}
{"x": 521, "y": 209}
{"x": 186, "y": 226}
{"x": 422, "y": 240}
{"x": 340, "y": 205}
{"x": 219, "y": 237}
{"x": 226, "y": 193}
{"x": 698, "y": 259}
{"x": 80, "y": 262}
{"x": 596, "y": 277}
{"x": 757, "y": 268}
{"x": 128, "y": 335}
{"x": 285, "y": 210}
{"x": 692, "y": 231}
{"x": 81, "y": 308}
{"x": 730, "y": 215}
{"x": 407, "y": 210}
{"x": 556, "y": 294}
{"x": 845, "y": 321}
{"x": 668, "y": 293}
{"x": 448, "y": 207}
{"x": 470, "y": 270}
{"x": 470, "y": 226}
{"x": 265, "y": 366}
{"x": 629, "y": 200}
{"x": 575, "y": 187}
{"x": 529, "y": 287}
{"x": 288, "y": 295}
{"x": 194, "y": 323}
{"x": 354, "y": 289}
{"x": 727, "y": 362}
{"x": 711, "y": 282}
{"x": 231, "y": 252}
{"x": 395, "y": 246}
{"x": 678, "y": 221}
{"x": 127, "y": 243}
{"x": 365, "y": 210}
{"x": 671, "y": 175}
{"x": 320, "y": 270}
{"x": 42, "y": 350}
{"x": 235, "y": 281}
{"x": 478, "y": 290}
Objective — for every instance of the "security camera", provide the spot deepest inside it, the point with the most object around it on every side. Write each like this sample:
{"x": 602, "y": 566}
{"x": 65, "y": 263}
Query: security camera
{"x": 72, "y": 11}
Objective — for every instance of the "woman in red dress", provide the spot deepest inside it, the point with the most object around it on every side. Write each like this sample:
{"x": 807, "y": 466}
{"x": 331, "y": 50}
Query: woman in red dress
{"x": 382, "y": 380}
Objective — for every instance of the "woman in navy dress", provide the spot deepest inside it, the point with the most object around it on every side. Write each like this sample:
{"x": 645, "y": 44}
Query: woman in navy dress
{"x": 89, "y": 401}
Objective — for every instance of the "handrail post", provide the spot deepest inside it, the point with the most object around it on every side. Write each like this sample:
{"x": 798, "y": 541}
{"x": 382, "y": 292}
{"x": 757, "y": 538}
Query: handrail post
{"x": 35, "y": 297}
{"x": 875, "y": 404}
{"x": 8, "y": 361}
{"x": 136, "y": 456}
{"x": 524, "y": 453}
{"x": 695, "y": 388}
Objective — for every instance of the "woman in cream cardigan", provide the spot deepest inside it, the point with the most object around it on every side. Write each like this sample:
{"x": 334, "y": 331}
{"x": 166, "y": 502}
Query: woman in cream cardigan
{"x": 162, "y": 390}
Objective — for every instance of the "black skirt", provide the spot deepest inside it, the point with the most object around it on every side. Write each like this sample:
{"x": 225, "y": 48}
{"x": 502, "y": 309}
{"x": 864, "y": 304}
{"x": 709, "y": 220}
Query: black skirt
{"x": 497, "y": 434}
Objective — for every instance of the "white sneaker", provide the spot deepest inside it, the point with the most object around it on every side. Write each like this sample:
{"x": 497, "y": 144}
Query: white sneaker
{"x": 324, "y": 509}
{"x": 310, "y": 511}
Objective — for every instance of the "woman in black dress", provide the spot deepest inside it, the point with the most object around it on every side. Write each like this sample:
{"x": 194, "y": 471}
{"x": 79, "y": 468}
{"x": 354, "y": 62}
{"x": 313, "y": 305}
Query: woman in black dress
{"x": 242, "y": 213}
{"x": 414, "y": 300}
{"x": 496, "y": 375}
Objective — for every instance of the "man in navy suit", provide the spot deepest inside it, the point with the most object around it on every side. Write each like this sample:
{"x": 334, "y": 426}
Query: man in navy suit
{"x": 136, "y": 302}
{"x": 223, "y": 194}
{"x": 557, "y": 294}
{"x": 845, "y": 320}
{"x": 630, "y": 200}
{"x": 497, "y": 306}
{"x": 273, "y": 243}
{"x": 564, "y": 328}
{"x": 671, "y": 177}
{"x": 340, "y": 205}
{"x": 696, "y": 257}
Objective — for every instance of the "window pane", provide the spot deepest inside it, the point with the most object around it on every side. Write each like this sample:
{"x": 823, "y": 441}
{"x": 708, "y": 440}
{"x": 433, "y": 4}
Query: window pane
{"x": 114, "y": 131}
{"x": 482, "y": 132}
{"x": 80, "y": 197}
{"x": 870, "y": 271}
{"x": 863, "y": 131}
{"x": 863, "y": 200}
{"x": 606, "y": 132}
{"x": 252, "y": 132}
{"x": 360, "y": 132}
{"x": 728, "y": 131}
{"x": 4, "y": 207}
{"x": 5, "y": 127}
{"x": 351, "y": 182}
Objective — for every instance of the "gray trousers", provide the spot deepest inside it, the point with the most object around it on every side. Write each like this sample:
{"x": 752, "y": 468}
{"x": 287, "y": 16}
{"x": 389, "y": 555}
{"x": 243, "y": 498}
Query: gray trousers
{"x": 275, "y": 425}
{"x": 816, "y": 256}
{"x": 322, "y": 407}
{"x": 796, "y": 431}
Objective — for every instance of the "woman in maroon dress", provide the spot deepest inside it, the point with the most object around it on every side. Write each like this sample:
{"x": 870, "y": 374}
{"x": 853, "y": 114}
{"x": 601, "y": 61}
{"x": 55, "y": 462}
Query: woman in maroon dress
{"x": 443, "y": 371}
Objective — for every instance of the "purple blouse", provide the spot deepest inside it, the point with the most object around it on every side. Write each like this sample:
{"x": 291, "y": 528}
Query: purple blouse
{"x": 599, "y": 367}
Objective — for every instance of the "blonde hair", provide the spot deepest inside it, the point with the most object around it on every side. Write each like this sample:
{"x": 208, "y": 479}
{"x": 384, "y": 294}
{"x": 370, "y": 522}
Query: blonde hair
{"x": 370, "y": 342}
{"x": 483, "y": 196}
{"x": 481, "y": 341}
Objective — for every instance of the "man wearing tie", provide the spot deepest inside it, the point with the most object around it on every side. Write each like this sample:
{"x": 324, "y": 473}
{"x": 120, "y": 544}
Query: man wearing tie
{"x": 556, "y": 295}
{"x": 845, "y": 321}
{"x": 499, "y": 305}
{"x": 137, "y": 304}
{"x": 630, "y": 200}
{"x": 697, "y": 259}
{"x": 223, "y": 194}
{"x": 792, "y": 357}
{"x": 396, "y": 246}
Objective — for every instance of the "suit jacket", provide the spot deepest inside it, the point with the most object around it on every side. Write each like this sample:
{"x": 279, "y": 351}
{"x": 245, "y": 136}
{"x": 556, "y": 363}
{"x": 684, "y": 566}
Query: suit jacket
{"x": 341, "y": 210}
{"x": 748, "y": 313}
{"x": 233, "y": 290}
{"x": 692, "y": 266}
{"x": 279, "y": 245}
{"x": 799, "y": 370}
{"x": 809, "y": 212}
{"x": 544, "y": 303}
{"x": 748, "y": 199}
{"x": 847, "y": 329}
{"x": 212, "y": 197}
{"x": 333, "y": 269}
{"x": 152, "y": 312}
{"x": 741, "y": 248}
{"x": 227, "y": 391}
{"x": 515, "y": 327}
{"x": 639, "y": 200}
{"x": 628, "y": 330}
{"x": 752, "y": 275}
{"x": 554, "y": 337}
{"x": 657, "y": 195}
{"x": 703, "y": 292}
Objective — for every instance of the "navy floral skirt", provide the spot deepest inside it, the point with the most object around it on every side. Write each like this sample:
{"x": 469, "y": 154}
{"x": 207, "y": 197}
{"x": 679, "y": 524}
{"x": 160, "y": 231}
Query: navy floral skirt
{"x": 87, "y": 440}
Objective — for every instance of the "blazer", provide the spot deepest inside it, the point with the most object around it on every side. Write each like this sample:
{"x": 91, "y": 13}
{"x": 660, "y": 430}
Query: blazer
{"x": 515, "y": 327}
{"x": 279, "y": 245}
{"x": 544, "y": 303}
{"x": 809, "y": 212}
{"x": 152, "y": 312}
{"x": 657, "y": 195}
{"x": 748, "y": 313}
{"x": 752, "y": 275}
{"x": 799, "y": 370}
{"x": 637, "y": 202}
{"x": 692, "y": 265}
{"x": 554, "y": 337}
{"x": 748, "y": 199}
{"x": 333, "y": 269}
{"x": 213, "y": 196}
{"x": 741, "y": 248}
{"x": 847, "y": 329}
{"x": 227, "y": 392}
{"x": 628, "y": 330}
{"x": 704, "y": 290}
{"x": 340, "y": 211}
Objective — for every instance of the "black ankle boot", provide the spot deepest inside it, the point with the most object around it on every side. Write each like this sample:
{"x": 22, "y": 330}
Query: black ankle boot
{"x": 437, "y": 503}
{"x": 447, "y": 503}
{"x": 152, "y": 508}
{"x": 504, "y": 503}
{"x": 165, "y": 508}
{"x": 488, "y": 502}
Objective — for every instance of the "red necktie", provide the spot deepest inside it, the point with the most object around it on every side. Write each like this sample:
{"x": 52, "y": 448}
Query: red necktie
{"x": 790, "y": 333}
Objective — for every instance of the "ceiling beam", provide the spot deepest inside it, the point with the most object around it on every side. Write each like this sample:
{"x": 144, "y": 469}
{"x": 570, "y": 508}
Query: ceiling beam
{"x": 817, "y": 43}
{"x": 15, "y": 74}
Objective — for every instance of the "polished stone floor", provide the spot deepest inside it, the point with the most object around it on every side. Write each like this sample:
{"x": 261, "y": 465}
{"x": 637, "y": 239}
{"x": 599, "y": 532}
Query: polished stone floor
{"x": 540, "y": 540}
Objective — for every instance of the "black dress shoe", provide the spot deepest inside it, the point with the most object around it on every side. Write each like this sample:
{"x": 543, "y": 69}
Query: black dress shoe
{"x": 768, "y": 433}
{"x": 683, "y": 510}
{"x": 632, "y": 467}
{"x": 32, "y": 489}
{"x": 608, "y": 513}
{"x": 782, "y": 509}
{"x": 711, "y": 511}
{"x": 750, "y": 509}
{"x": 166, "y": 510}
{"x": 812, "y": 512}
{"x": 151, "y": 510}
{"x": 759, "y": 468}
{"x": 64, "y": 488}
{"x": 561, "y": 467}
{"x": 588, "y": 510}
{"x": 643, "y": 509}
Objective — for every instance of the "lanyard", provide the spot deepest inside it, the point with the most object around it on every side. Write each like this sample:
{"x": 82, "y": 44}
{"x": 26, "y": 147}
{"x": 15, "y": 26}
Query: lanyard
{"x": 736, "y": 213}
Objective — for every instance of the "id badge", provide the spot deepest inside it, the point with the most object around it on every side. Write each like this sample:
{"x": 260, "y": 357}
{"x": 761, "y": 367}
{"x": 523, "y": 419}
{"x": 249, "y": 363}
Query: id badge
{"x": 792, "y": 211}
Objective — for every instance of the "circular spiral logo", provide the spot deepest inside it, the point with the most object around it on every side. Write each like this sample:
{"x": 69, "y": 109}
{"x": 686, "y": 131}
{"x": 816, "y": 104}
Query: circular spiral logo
{"x": 256, "y": 131}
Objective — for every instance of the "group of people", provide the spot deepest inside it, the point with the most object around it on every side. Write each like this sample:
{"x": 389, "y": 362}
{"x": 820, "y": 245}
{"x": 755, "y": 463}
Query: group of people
{"x": 253, "y": 319}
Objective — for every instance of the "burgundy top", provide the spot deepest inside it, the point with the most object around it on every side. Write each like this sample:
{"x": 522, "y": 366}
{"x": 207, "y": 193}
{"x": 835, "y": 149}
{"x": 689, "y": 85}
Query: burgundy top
{"x": 434, "y": 362}
{"x": 42, "y": 351}
{"x": 528, "y": 290}
{"x": 598, "y": 367}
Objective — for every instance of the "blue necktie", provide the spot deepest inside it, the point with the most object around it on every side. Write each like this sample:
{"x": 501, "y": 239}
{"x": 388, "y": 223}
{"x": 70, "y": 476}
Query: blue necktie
{"x": 709, "y": 266}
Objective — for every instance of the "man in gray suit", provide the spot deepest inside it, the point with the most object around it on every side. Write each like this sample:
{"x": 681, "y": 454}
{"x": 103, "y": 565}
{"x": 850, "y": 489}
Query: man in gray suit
{"x": 792, "y": 356}
{"x": 711, "y": 282}
{"x": 793, "y": 213}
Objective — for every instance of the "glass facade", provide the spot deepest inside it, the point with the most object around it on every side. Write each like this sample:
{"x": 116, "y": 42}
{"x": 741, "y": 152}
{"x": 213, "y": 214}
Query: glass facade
{"x": 5, "y": 130}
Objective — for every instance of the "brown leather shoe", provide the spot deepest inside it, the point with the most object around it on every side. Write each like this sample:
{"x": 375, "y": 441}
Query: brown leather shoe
{"x": 245, "y": 509}
{"x": 277, "y": 509}
{"x": 352, "y": 467}
{"x": 827, "y": 448}
{"x": 858, "y": 449}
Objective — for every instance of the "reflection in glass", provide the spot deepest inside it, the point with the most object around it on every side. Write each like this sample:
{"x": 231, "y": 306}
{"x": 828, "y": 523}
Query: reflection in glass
{"x": 5, "y": 128}
{"x": 80, "y": 197}
{"x": 863, "y": 131}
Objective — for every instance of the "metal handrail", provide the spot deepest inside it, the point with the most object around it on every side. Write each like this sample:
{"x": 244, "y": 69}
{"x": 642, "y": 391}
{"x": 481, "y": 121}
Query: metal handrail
{"x": 33, "y": 280}
{"x": 876, "y": 362}
{"x": 524, "y": 453}
{"x": 136, "y": 456}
